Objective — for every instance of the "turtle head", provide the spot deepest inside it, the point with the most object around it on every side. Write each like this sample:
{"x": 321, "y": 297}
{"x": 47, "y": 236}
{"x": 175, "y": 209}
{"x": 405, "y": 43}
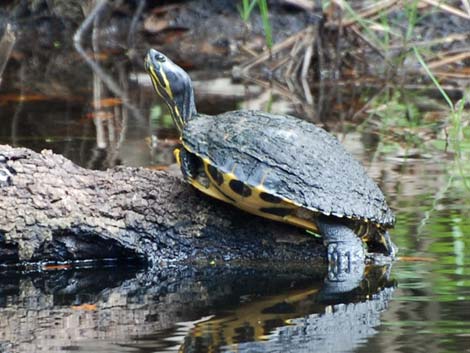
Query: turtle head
{"x": 173, "y": 85}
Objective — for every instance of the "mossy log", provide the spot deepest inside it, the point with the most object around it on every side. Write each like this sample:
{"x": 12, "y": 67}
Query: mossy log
{"x": 52, "y": 210}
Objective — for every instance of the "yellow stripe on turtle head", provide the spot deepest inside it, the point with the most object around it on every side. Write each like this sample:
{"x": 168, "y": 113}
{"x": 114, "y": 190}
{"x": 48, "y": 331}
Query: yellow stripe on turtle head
{"x": 163, "y": 89}
{"x": 161, "y": 80}
{"x": 173, "y": 85}
{"x": 167, "y": 84}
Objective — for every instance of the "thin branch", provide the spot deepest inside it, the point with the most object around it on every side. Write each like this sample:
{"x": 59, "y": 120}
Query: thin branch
{"x": 381, "y": 6}
{"x": 134, "y": 22}
{"x": 107, "y": 80}
{"x": 448, "y": 60}
{"x": 276, "y": 48}
{"x": 358, "y": 33}
{"x": 450, "y": 9}
{"x": 6, "y": 46}
{"x": 444, "y": 40}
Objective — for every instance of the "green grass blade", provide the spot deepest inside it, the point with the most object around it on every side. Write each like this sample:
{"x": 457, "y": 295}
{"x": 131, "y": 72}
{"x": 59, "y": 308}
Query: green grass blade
{"x": 411, "y": 11}
{"x": 263, "y": 8}
{"x": 246, "y": 8}
{"x": 433, "y": 78}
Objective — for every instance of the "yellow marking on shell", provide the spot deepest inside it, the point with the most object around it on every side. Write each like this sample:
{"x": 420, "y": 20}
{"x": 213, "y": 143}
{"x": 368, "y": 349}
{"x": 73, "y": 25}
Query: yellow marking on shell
{"x": 230, "y": 175}
{"x": 211, "y": 190}
{"x": 261, "y": 189}
{"x": 253, "y": 203}
{"x": 302, "y": 223}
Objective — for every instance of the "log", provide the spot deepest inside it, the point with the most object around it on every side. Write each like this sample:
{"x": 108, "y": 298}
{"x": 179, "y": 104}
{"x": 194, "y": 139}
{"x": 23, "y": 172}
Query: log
{"x": 52, "y": 210}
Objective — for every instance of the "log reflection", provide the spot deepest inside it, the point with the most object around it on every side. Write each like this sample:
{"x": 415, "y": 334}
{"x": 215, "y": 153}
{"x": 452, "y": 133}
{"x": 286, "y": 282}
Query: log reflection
{"x": 266, "y": 309}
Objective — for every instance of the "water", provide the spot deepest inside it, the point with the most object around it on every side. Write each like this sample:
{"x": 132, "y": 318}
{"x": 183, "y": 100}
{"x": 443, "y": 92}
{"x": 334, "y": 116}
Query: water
{"x": 422, "y": 305}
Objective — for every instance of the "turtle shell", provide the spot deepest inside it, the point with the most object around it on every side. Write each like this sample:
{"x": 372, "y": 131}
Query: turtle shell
{"x": 291, "y": 159}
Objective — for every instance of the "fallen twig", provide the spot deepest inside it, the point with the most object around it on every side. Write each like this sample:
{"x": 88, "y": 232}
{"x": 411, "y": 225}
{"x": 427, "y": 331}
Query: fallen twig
{"x": 450, "y": 9}
{"x": 382, "y": 7}
{"x": 448, "y": 60}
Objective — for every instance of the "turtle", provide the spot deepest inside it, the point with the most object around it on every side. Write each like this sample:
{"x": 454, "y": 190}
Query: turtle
{"x": 278, "y": 167}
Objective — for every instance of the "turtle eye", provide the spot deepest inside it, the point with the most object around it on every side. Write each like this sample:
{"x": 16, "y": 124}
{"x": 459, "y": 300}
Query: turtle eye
{"x": 159, "y": 57}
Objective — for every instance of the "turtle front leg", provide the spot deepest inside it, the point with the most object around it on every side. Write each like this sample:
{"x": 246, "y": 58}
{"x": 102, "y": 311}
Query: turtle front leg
{"x": 345, "y": 253}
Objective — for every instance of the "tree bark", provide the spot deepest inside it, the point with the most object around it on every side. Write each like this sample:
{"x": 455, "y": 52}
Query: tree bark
{"x": 52, "y": 210}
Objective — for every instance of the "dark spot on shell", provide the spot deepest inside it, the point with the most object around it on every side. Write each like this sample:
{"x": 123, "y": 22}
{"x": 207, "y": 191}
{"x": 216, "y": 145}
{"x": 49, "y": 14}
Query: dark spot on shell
{"x": 269, "y": 198}
{"x": 277, "y": 211}
{"x": 215, "y": 174}
{"x": 238, "y": 187}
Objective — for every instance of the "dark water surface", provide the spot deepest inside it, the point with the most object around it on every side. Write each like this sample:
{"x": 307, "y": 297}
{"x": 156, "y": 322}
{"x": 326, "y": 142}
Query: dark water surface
{"x": 421, "y": 305}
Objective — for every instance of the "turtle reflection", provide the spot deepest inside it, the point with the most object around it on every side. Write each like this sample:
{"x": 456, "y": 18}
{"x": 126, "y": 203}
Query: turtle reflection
{"x": 298, "y": 320}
